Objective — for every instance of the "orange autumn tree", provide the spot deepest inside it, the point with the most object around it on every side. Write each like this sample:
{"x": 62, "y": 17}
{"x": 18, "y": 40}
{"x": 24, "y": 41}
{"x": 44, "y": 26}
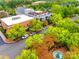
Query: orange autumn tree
{"x": 49, "y": 40}
{"x": 42, "y": 51}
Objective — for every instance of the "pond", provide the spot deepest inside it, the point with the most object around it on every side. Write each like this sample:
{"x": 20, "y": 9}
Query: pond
{"x": 57, "y": 54}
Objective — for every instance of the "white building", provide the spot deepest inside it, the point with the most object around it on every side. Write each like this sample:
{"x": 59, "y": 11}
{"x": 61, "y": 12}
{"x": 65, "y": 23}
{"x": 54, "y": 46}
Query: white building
{"x": 42, "y": 15}
{"x": 18, "y": 19}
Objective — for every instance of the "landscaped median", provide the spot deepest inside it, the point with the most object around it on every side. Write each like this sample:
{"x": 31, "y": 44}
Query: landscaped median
{"x": 14, "y": 34}
{"x": 8, "y": 41}
{"x": 4, "y": 39}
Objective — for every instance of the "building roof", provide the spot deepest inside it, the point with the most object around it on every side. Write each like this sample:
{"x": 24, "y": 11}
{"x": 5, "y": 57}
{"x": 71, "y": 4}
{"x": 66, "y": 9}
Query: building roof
{"x": 23, "y": 10}
{"x": 15, "y": 19}
{"x": 39, "y": 2}
{"x": 20, "y": 10}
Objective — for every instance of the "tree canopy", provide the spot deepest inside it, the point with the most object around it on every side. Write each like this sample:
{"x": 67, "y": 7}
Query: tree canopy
{"x": 36, "y": 25}
{"x": 27, "y": 54}
{"x": 16, "y": 32}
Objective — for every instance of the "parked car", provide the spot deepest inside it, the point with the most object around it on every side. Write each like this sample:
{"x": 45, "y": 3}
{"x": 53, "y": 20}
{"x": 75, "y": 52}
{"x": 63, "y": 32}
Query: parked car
{"x": 24, "y": 37}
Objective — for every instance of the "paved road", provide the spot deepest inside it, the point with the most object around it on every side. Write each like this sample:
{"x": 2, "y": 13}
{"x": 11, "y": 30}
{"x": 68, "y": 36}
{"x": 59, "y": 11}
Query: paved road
{"x": 14, "y": 49}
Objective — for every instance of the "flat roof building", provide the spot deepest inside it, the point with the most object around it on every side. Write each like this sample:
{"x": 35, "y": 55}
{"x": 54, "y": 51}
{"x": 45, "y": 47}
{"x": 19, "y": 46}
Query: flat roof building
{"x": 18, "y": 19}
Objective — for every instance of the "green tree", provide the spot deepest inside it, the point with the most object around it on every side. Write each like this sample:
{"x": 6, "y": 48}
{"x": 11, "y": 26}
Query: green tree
{"x": 56, "y": 9}
{"x": 36, "y": 25}
{"x": 35, "y": 38}
{"x": 68, "y": 11}
{"x": 65, "y": 11}
{"x": 55, "y": 18}
{"x": 16, "y": 32}
{"x": 76, "y": 10}
{"x": 27, "y": 54}
{"x": 68, "y": 24}
{"x": 61, "y": 33}
{"x": 74, "y": 40}
{"x": 64, "y": 36}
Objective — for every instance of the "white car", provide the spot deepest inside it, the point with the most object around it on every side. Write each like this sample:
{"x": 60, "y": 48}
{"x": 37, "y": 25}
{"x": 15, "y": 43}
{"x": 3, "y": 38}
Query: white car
{"x": 24, "y": 37}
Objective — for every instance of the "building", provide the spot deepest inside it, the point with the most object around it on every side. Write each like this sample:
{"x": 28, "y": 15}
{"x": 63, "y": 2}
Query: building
{"x": 41, "y": 15}
{"x": 22, "y": 10}
{"x": 18, "y": 19}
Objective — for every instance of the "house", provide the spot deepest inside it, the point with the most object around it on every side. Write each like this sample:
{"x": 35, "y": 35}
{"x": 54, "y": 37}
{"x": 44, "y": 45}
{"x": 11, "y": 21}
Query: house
{"x": 24, "y": 20}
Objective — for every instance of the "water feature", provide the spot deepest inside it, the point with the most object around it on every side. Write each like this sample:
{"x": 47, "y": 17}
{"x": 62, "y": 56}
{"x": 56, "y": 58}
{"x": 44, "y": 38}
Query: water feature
{"x": 57, "y": 54}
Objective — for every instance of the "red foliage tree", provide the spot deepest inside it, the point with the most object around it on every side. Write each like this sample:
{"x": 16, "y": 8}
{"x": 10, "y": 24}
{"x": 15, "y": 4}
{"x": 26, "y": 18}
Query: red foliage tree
{"x": 49, "y": 40}
{"x": 42, "y": 51}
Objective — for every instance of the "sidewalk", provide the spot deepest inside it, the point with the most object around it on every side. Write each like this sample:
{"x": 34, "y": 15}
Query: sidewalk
{"x": 4, "y": 39}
